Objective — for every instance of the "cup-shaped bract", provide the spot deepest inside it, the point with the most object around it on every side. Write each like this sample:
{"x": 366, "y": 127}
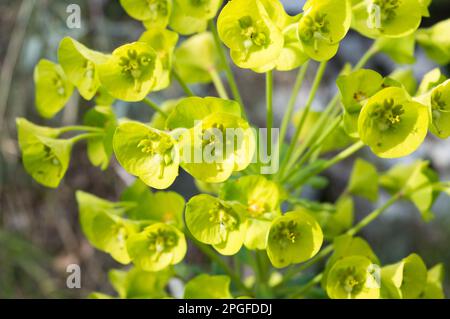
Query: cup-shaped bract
{"x": 430, "y": 80}
{"x": 131, "y": 72}
{"x": 201, "y": 9}
{"x": 292, "y": 54}
{"x": 196, "y": 58}
{"x": 434, "y": 287}
{"x": 436, "y": 41}
{"x": 163, "y": 41}
{"x": 401, "y": 50}
{"x": 155, "y": 13}
{"x": 44, "y": 157}
{"x": 253, "y": 38}
{"x": 208, "y": 287}
{"x": 438, "y": 101}
{"x": 99, "y": 149}
{"x": 261, "y": 199}
{"x": 391, "y": 124}
{"x": 185, "y": 24}
{"x": 217, "y": 146}
{"x": 323, "y": 25}
{"x": 103, "y": 225}
{"x": 405, "y": 77}
{"x": 405, "y": 279}
{"x": 386, "y": 18}
{"x": 364, "y": 180}
{"x": 139, "y": 284}
{"x": 353, "y": 277}
{"x": 293, "y": 238}
{"x": 216, "y": 222}
{"x": 52, "y": 88}
{"x": 79, "y": 64}
{"x": 150, "y": 154}
{"x": 156, "y": 247}
{"x": 158, "y": 120}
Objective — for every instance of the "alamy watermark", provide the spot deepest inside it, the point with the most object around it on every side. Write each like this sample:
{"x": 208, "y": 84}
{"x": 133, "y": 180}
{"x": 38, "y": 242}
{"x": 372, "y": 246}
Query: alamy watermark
{"x": 73, "y": 20}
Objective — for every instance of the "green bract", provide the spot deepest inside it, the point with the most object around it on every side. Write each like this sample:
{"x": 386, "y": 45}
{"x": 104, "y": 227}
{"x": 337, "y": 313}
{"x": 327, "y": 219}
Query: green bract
{"x": 353, "y": 277}
{"x": 433, "y": 288}
{"x": 292, "y": 54}
{"x": 438, "y": 101}
{"x": 155, "y": 13}
{"x": 430, "y": 80}
{"x": 247, "y": 29}
{"x": 156, "y": 247}
{"x": 131, "y": 72}
{"x": 158, "y": 120}
{"x": 201, "y": 9}
{"x": 261, "y": 199}
{"x": 148, "y": 153}
{"x": 406, "y": 78}
{"x": 323, "y": 25}
{"x": 44, "y": 157}
{"x": 53, "y": 89}
{"x": 208, "y": 287}
{"x": 196, "y": 58}
{"x": 163, "y": 42}
{"x": 139, "y": 284}
{"x": 436, "y": 41}
{"x": 364, "y": 180}
{"x": 100, "y": 148}
{"x": 401, "y": 50}
{"x": 185, "y": 24}
{"x": 293, "y": 238}
{"x": 216, "y": 222}
{"x": 405, "y": 279}
{"x": 386, "y": 18}
{"x": 80, "y": 66}
{"x": 217, "y": 146}
{"x": 104, "y": 226}
{"x": 391, "y": 124}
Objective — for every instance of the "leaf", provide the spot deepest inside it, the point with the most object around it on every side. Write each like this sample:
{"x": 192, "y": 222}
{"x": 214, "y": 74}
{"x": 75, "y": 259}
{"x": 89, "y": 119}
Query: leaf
{"x": 364, "y": 180}
{"x": 53, "y": 89}
{"x": 406, "y": 78}
{"x": 208, "y": 287}
{"x": 434, "y": 287}
{"x": 436, "y": 42}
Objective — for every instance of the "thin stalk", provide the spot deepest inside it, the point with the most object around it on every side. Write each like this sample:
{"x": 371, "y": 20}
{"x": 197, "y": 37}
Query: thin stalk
{"x": 84, "y": 136}
{"x": 366, "y": 57}
{"x": 290, "y": 106}
{"x": 183, "y": 84}
{"x": 154, "y": 106}
{"x": 226, "y": 66}
{"x": 339, "y": 157}
{"x": 269, "y": 110}
{"x": 312, "y": 94}
{"x": 218, "y": 84}
{"x": 220, "y": 262}
{"x": 85, "y": 128}
{"x": 305, "y": 288}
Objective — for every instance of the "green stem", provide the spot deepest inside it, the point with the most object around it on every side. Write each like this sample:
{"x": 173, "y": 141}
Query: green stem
{"x": 290, "y": 106}
{"x": 84, "y": 136}
{"x": 366, "y": 57}
{"x": 154, "y": 106}
{"x": 218, "y": 84}
{"x": 269, "y": 110}
{"x": 183, "y": 84}
{"x": 226, "y": 66}
{"x": 339, "y": 157}
{"x": 302, "y": 290}
{"x": 220, "y": 262}
{"x": 304, "y": 115}
{"x": 70, "y": 128}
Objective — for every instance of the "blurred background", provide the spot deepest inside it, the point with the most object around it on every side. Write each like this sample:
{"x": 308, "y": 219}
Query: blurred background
{"x": 39, "y": 229}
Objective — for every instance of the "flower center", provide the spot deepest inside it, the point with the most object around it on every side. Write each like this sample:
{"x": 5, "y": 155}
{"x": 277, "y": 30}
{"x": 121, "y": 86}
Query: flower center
{"x": 286, "y": 233}
{"x": 162, "y": 241}
{"x": 255, "y": 208}
{"x": 50, "y": 156}
{"x": 315, "y": 28}
{"x": 160, "y": 146}
{"x": 58, "y": 83}
{"x": 157, "y": 8}
{"x": 382, "y": 11}
{"x": 253, "y": 33}
{"x": 351, "y": 281}
{"x": 134, "y": 65}
{"x": 387, "y": 115}
{"x": 225, "y": 217}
